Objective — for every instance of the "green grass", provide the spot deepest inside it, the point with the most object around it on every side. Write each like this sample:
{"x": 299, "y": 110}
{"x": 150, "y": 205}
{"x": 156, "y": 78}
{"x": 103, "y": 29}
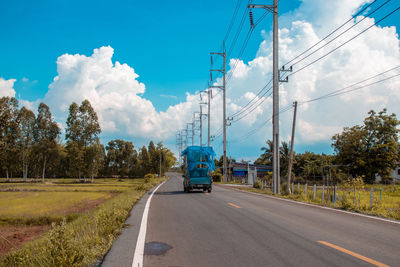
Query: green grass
{"x": 387, "y": 207}
{"x": 83, "y": 241}
{"x": 15, "y": 204}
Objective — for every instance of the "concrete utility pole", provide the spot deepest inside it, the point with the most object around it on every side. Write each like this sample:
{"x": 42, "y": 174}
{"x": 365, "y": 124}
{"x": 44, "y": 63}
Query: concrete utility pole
{"x": 223, "y": 88}
{"x": 209, "y": 115}
{"x": 275, "y": 93}
{"x": 201, "y": 116}
{"x": 291, "y": 147}
{"x": 201, "y": 124}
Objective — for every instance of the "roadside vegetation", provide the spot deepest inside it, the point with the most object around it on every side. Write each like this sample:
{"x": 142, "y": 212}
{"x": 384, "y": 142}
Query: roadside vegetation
{"x": 74, "y": 238}
{"x": 362, "y": 153}
{"x": 385, "y": 201}
{"x": 72, "y": 220}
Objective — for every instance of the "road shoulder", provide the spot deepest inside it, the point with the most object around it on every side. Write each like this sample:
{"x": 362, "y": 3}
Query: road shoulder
{"x": 310, "y": 205}
{"x": 122, "y": 250}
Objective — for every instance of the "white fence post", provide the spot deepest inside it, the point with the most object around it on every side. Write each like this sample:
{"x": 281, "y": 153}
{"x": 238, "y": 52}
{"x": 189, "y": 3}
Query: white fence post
{"x": 305, "y": 190}
{"x": 315, "y": 191}
{"x": 372, "y": 196}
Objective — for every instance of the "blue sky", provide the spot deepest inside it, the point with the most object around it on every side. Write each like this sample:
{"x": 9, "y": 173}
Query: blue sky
{"x": 167, "y": 43}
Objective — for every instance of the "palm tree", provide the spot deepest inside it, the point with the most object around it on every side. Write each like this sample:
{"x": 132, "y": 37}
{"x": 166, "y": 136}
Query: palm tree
{"x": 284, "y": 152}
{"x": 266, "y": 157}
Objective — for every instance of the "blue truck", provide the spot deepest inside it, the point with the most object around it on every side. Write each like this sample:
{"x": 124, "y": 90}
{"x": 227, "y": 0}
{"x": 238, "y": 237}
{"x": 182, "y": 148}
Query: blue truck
{"x": 199, "y": 165}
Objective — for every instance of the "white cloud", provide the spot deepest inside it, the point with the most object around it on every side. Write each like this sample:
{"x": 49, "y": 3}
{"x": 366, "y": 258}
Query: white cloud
{"x": 6, "y": 87}
{"x": 169, "y": 96}
{"x": 115, "y": 93}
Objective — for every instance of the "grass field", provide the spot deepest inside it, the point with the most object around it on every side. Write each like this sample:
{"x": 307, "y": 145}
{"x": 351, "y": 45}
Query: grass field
{"x": 31, "y": 213}
{"x": 385, "y": 202}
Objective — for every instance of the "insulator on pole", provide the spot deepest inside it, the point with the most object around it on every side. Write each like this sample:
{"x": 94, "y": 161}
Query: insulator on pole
{"x": 251, "y": 19}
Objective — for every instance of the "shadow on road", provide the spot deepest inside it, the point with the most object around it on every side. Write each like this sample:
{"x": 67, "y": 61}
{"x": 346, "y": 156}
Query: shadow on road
{"x": 166, "y": 193}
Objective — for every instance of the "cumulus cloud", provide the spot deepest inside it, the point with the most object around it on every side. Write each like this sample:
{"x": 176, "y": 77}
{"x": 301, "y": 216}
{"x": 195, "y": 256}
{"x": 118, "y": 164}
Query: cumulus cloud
{"x": 116, "y": 94}
{"x": 7, "y": 87}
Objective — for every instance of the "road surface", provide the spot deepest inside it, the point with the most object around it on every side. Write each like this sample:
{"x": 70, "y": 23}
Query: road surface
{"x": 231, "y": 228}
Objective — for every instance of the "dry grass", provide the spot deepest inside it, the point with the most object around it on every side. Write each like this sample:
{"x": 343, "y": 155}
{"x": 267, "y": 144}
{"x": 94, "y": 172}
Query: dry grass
{"x": 83, "y": 241}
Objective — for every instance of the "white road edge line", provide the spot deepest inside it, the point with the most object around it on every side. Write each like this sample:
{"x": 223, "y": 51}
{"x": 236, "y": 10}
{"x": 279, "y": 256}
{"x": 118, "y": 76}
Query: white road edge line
{"x": 312, "y": 205}
{"x": 139, "y": 249}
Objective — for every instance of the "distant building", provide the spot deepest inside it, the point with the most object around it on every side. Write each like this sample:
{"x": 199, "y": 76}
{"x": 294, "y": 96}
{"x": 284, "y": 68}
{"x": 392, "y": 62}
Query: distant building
{"x": 240, "y": 170}
{"x": 395, "y": 175}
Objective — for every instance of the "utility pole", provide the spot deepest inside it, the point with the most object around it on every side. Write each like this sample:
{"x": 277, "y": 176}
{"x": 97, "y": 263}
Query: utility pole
{"x": 192, "y": 123}
{"x": 291, "y": 147}
{"x": 223, "y": 88}
{"x": 186, "y": 136}
{"x": 201, "y": 124}
{"x": 275, "y": 92}
{"x": 201, "y": 116}
{"x": 209, "y": 115}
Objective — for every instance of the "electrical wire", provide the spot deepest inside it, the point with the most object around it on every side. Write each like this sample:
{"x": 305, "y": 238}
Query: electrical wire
{"x": 333, "y": 50}
{"x": 330, "y": 41}
{"x": 347, "y": 89}
{"x": 327, "y": 36}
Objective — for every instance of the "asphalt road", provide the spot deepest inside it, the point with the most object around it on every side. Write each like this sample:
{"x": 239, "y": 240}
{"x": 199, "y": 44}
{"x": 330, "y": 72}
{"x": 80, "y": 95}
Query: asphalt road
{"x": 231, "y": 228}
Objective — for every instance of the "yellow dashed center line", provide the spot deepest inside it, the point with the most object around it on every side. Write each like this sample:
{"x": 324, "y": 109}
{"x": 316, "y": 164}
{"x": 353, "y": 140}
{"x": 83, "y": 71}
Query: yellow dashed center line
{"x": 356, "y": 255}
{"x": 233, "y": 205}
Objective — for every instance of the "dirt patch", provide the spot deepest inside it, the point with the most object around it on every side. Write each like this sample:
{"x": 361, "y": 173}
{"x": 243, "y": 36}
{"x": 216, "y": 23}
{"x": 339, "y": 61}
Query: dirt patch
{"x": 85, "y": 205}
{"x": 15, "y": 236}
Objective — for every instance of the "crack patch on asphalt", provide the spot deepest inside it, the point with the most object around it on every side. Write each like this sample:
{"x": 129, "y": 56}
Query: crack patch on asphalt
{"x": 156, "y": 248}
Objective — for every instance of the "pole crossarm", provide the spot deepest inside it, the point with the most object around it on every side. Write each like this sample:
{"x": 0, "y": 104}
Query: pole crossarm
{"x": 270, "y": 8}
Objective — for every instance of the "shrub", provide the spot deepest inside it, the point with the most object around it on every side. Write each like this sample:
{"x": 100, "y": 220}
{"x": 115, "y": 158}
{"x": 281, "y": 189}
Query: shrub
{"x": 148, "y": 177}
{"x": 257, "y": 184}
{"x": 217, "y": 177}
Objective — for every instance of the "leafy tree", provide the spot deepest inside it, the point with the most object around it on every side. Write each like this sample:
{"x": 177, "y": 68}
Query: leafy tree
{"x": 9, "y": 132}
{"x": 46, "y": 133}
{"x": 166, "y": 156}
{"x": 369, "y": 149}
{"x": 96, "y": 156}
{"x": 82, "y": 133}
{"x": 89, "y": 139}
{"x": 121, "y": 158}
{"x": 154, "y": 158}
{"x": 144, "y": 161}
{"x": 26, "y": 119}
{"x": 73, "y": 137}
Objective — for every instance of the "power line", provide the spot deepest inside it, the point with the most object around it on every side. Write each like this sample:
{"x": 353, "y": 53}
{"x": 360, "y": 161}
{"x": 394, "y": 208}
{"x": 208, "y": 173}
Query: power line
{"x": 238, "y": 3}
{"x": 333, "y": 50}
{"x": 255, "y": 97}
{"x": 344, "y": 90}
{"x": 341, "y": 26}
{"x": 330, "y": 41}
{"x": 253, "y": 131}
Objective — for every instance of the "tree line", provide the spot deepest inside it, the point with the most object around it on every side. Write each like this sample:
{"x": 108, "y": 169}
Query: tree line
{"x": 364, "y": 151}
{"x": 31, "y": 146}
